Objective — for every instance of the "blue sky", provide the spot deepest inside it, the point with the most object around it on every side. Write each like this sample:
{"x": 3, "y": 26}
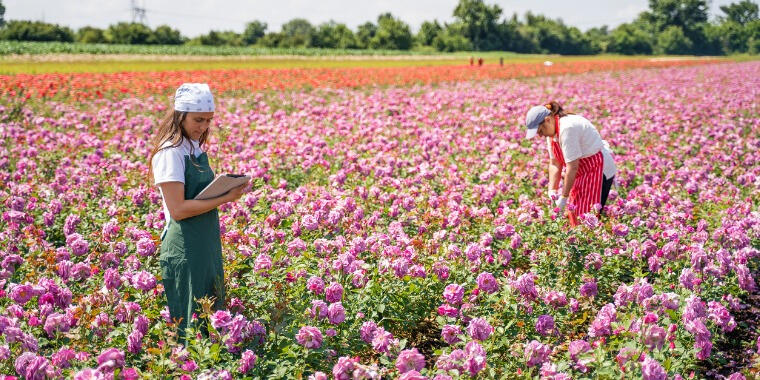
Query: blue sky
{"x": 195, "y": 17}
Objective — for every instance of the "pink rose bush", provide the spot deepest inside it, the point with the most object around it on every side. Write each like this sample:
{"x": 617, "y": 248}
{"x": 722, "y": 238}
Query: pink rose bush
{"x": 399, "y": 232}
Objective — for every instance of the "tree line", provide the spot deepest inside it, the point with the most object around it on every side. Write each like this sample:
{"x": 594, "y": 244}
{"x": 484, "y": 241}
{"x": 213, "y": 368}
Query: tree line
{"x": 666, "y": 27}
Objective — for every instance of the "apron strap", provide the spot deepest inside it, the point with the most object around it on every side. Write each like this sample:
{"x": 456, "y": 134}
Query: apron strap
{"x": 556, "y": 149}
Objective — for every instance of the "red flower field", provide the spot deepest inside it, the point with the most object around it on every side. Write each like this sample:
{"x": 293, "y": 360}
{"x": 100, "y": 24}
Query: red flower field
{"x": 80, "y": 86}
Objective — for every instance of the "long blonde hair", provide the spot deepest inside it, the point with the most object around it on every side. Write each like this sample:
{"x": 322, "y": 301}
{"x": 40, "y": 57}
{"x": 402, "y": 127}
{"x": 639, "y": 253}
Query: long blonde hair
{"x": 171, "y": 129}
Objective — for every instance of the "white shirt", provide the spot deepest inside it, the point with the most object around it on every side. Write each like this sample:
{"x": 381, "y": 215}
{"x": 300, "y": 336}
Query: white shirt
{"x": 169, "y": 165}
{"x": 578, "y": 138}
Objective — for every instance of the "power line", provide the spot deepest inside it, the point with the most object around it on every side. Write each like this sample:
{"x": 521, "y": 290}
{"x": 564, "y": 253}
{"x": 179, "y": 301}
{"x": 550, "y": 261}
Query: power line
{"x": 138, "y": 13}
{"x": 174, "y": 13}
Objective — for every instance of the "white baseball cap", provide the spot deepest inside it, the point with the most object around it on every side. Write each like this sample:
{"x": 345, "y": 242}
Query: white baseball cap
{"x": 534, "y": 118}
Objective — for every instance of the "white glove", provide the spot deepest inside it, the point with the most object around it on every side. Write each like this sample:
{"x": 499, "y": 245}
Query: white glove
{"x": 561, "y": 203}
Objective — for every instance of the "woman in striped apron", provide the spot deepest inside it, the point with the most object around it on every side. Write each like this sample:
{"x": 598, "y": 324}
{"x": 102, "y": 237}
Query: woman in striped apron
{"x": 574, "y": 143}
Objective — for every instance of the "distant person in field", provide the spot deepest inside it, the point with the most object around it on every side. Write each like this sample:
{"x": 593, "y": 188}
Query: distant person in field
{"x": 191, "y": 246}
{"x": 575, "y": 143}
{"x": 480, "y": 61}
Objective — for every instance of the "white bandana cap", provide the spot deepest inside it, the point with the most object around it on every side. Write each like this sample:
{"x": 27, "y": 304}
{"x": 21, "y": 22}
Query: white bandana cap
{"x": 194, "y": 97}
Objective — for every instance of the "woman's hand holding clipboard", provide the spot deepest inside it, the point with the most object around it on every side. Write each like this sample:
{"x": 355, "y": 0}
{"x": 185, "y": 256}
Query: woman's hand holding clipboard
{"x": 223, "y": 184}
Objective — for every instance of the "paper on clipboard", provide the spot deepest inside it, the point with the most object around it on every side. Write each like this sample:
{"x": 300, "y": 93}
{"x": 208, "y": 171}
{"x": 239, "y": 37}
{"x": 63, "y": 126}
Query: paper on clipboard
{"x": 221, "y": 185}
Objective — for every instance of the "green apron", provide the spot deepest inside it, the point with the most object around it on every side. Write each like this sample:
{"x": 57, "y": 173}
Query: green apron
{"x": 191, "y": 252}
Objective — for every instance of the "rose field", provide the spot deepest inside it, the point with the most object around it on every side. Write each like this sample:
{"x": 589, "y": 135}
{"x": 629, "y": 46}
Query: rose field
{"x": 397, "y": 227}
{"x": 70, "y": 85}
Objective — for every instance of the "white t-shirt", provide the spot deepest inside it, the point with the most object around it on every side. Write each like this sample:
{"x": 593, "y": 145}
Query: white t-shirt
{"x": 169, "y": 165}
{"x": 578, "y": 138}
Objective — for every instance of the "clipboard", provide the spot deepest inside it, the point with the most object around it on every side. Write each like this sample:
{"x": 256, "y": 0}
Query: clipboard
{"x": 221, "y": 185}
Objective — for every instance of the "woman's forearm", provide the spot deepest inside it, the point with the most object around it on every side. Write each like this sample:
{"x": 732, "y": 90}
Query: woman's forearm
{"x": 189, "y": 208}
{"x": 572, "y": 170}
{"x": 555, "y": 173}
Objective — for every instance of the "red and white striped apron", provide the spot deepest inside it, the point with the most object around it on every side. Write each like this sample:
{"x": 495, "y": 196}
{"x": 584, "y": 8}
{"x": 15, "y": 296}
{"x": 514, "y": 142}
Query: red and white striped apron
{"x": 587, "y": 188}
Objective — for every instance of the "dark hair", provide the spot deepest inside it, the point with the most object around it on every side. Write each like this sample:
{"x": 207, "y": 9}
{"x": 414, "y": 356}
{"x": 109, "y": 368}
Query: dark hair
{"x": 556, "y": 109}
{"x": 172, "y": 129}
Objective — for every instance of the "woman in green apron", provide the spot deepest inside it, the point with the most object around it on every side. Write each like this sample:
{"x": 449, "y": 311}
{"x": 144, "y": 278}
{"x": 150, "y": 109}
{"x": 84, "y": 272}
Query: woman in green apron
{"x": 191, "y": 247}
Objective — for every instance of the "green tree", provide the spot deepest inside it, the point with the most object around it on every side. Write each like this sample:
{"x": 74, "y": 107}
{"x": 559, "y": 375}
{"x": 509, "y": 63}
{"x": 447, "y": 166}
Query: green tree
{"x": 742, "y": 12}
{"x": 529, "y": 39}
{"x": 165, "y": 35}
{"x": 221, "y": 38}
{"x": 90, "y": 35}
{"x": 686, "y": 14}
{"x": 630, "y": 38}
{"x": 2, "y": 14}
{"x": 270, "y": 40}
{"x": 577, "y": 42}
{"x": 428, "y": 31}
{"x": 130, "y": 33}
{"x": 518, "y": 37}
{"x": 555, "y": 37}
{"x": 451, "y": 38}
{"x": 479, "y": 23}
{"x": 753, "y": 34}
{"x": 689, "y": 15}
{"x": 364, "y": 34}
{"x": 35, "y": 31}
{"x": 550, "y": 36}
{"x": 714, "y": 39}
{"x": 254, "y": 30}
{"x": 673, "y": 41}
{"x": 731, "y": 36}
{"x": 334, "y": 35}
{"x": 599, "y": 38}
{"x": 213, "y": 38}
{"x": 297, "y": 33}
{"x": 392, "y": 33}
{"x": 735, "y": 32}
